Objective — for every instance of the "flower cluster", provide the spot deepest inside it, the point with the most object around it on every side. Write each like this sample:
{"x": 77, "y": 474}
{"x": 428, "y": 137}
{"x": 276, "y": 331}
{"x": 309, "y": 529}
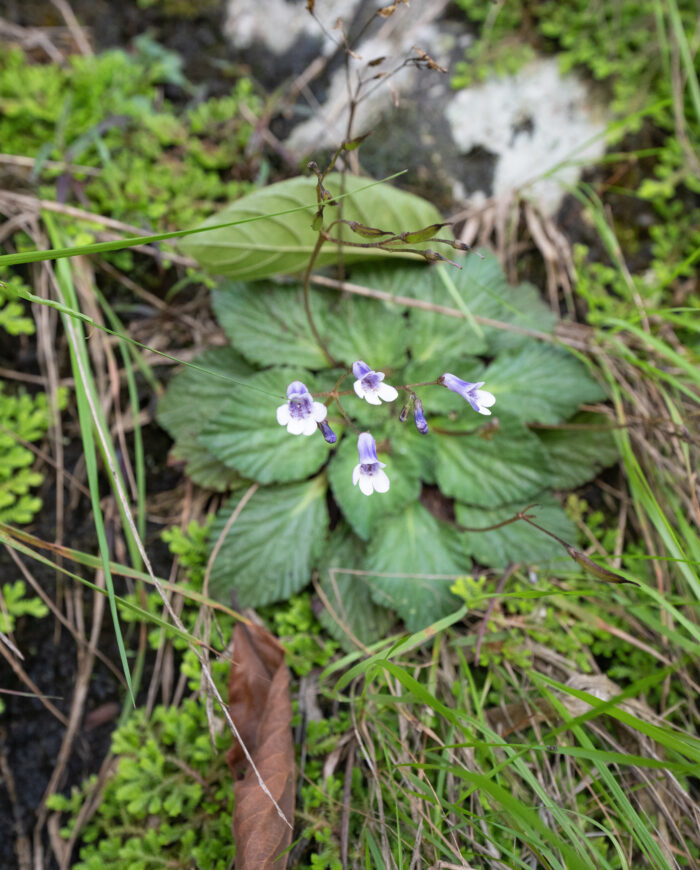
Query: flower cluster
{"x": 303, "y": 416}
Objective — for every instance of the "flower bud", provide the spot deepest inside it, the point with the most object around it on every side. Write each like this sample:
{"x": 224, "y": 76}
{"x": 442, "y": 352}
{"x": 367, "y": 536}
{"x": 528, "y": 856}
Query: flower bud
{"x": 327, "y": 432}
{"x": 419, "y": 416}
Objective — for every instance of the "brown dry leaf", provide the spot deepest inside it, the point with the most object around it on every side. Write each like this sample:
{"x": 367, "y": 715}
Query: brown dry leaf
{"x": 261, "y": 709}
{"x": 425, "y": 58}
{"x": 388, "y": 11}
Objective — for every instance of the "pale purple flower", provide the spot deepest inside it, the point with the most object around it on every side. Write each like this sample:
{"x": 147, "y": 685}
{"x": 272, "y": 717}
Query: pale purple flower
{"x": 300, "y": 413}
{"x": 419, "y": 416}
{"x": 368, "y": 473}
{"x": 480, "y": 400}
{"x": 369, "y": 384}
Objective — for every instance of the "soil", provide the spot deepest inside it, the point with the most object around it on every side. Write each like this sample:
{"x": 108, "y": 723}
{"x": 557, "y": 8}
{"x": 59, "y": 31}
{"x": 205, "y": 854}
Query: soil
{"x": 30, "y": 736}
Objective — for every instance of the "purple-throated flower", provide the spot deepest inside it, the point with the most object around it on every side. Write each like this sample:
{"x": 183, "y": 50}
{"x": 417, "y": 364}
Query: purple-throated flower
{"x": 419, "y": 416}
{"x": 369, "y": 384}
{"x": 300, "y": 413}
{"x": 480, "y": 400}
{"x": 368, "y": 473}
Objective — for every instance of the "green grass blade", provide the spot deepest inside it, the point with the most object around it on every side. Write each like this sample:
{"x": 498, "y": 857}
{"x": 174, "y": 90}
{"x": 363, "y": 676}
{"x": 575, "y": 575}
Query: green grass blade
{"x": 133, "y": 241}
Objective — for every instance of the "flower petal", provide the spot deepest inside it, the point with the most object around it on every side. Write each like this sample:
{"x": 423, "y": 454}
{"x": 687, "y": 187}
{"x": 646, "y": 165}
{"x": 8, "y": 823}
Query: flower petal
{"x": 387, "y": 392}
{"x": 283, "y": 414}
{"x": 296, "y": 425}
{"x": 360, "y": 368}
{"x": 372, "y": 397}
{"x": 310, "y": 426}
{"x": 355, "y": 475}
{"x": 296, "y": 388}
{"x": 319, "y": 411}
{"x": 483, "y": 397}
{"x": 366, "y": 484}
{"x": 366, "y": 448}
{"x": 380, "y": 480}
{"x": 359, "y": 389}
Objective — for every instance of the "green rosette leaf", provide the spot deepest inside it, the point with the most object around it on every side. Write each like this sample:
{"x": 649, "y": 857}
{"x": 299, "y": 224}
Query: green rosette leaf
{"x": 268, "y": 323}
{"x": 478, "y": 290}
{"x": 369, "y": 330}
{"x": 353, "y": 615}
{"x": 361, "y": 511}
{"x": 576, "y": 455}
{"x": 489, "y": 468}
{"x": 406, "y": 552}
{"x": 540, "y": 384}
{"x": 267, "y": 243}
{"x": 518, "y": 541}
{"x": 246, "y": 436}
{"x": 272, "y": 547}
{"x": 193, "y": 397}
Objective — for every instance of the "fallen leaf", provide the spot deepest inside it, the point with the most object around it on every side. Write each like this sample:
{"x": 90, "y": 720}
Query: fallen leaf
{"x": 261, "y": 709}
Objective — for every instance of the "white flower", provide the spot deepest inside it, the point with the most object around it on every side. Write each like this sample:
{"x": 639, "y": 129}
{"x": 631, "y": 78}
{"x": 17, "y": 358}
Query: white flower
{"x": 369, "y": 384}
{"x": 480, "y": 400}
{"x": 368, "y": 473}
{"x": 300, "y": 413}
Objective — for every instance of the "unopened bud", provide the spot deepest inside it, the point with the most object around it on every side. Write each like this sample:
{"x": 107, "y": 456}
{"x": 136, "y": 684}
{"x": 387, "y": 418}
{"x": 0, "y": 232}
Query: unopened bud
{"x": 423, "y": 235}
{"x": 403, "y": 416}
{"x": 328, "y": 434}
{"x": 367, "y": 232}
{"x": 419, "y": 416}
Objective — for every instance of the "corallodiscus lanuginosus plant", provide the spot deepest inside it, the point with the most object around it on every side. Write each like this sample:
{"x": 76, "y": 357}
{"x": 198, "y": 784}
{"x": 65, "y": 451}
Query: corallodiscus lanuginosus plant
{"x": 379, "y": 387}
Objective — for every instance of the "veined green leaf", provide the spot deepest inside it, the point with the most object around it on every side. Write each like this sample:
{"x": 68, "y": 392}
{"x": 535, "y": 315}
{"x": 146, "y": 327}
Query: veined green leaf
{"x": 354, "y": 615}
{"x": 192, "y": 398}
{"x": 283, "y": 244}
{"x": 246, "y": 436}
{"x": 270, "y": 550}
{"x": 367, "y": 329}
{"x": 268, "y": 324}
{"x": 516, "y": 542}
{"x": 484, "y": 292}
{"x": 361, "y": 511}
{"x": 574, "y": 456}
{"x": 490, "y": 468}
{"x": 408, "y": 551}
{"x": 540, "y": 384}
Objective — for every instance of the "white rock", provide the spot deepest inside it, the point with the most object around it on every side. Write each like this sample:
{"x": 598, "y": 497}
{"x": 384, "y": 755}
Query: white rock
{"x": 537, "y": 123}
{"x": 277, "y": 24}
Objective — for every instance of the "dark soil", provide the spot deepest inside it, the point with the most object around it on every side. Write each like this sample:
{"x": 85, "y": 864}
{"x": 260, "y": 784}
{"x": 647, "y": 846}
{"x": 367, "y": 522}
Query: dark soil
{"x": 30, "y": 736}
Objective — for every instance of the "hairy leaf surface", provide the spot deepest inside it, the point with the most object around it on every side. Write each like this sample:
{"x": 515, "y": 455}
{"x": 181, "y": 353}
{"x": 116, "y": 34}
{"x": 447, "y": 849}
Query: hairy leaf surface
{"x": 354, "y": 616}
{"x": 516, "y": 542}
{"x": 192, "y": 398}
{"x": 405, "y": 548}
{"x": 270, "y": 550}
{"x": 362, "y": 511}
{"x": 490, "y": 468}
{"x": 245, "y": 435}
{"x": 576, "y": 455}
{"x": 540, "y": 384}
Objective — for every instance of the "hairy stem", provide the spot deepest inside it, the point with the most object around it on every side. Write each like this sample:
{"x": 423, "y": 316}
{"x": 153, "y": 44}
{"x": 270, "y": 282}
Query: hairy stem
{"x": 307, "y": 305}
